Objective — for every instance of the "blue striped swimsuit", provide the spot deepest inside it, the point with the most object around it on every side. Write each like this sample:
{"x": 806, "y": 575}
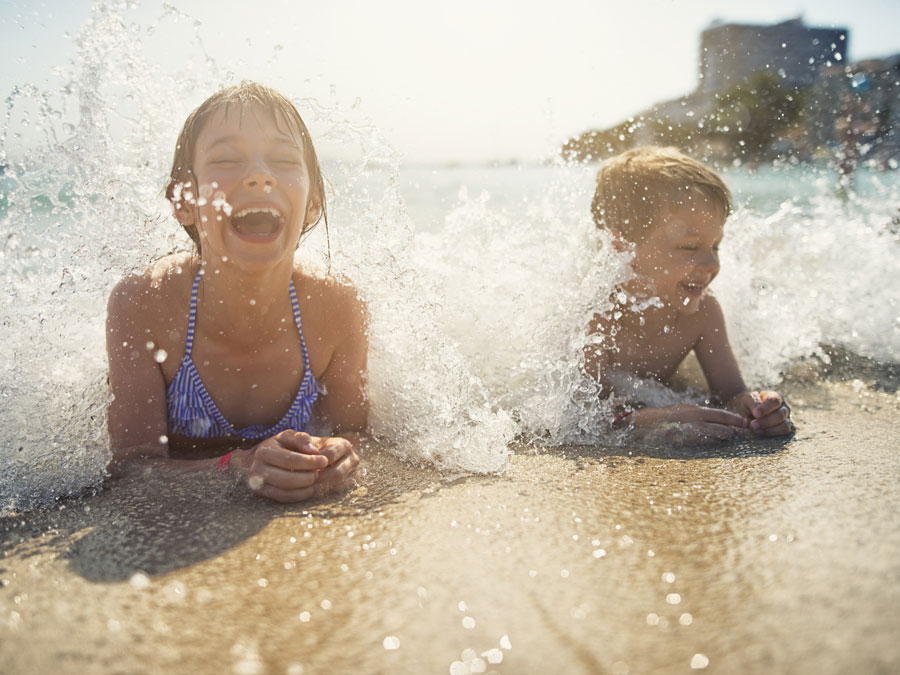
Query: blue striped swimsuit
{"x": 192, "y": 411}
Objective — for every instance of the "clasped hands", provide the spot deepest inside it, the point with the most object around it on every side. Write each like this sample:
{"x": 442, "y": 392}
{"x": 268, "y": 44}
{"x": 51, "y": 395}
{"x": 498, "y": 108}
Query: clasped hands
{"x": 293, "y": 466}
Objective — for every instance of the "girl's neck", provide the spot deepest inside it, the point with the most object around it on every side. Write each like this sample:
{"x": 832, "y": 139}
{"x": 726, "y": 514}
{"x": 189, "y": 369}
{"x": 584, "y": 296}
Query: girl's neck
{"x": 241, "y": 306}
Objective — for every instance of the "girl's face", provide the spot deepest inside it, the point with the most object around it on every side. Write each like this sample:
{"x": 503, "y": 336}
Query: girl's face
{"x": 252, "y": 198}
{"x": 678, "y": 259}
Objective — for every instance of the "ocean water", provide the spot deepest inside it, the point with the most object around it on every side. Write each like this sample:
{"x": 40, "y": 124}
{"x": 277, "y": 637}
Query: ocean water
{"x": 479, "y": 280}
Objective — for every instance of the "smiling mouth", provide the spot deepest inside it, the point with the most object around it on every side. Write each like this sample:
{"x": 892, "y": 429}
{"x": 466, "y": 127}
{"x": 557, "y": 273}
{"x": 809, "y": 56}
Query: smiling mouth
{"x": 695, "y": 290}
{"x": 257, "y": 221}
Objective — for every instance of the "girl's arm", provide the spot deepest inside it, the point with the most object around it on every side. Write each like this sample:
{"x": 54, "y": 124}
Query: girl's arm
{"x": 343, "y": 404}
{"x": 137, "y": 414}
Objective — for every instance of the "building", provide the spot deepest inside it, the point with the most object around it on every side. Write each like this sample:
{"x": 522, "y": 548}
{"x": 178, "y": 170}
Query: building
{"x": 731, "y": 53}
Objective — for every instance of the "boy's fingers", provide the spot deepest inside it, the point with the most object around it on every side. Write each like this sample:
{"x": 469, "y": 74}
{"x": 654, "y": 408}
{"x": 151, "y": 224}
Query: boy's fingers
{"x": 725, "y": 417}
{"x": 783, "y": 429}
{"x": 780, "y": 418}
{"x": 770, "y": 401}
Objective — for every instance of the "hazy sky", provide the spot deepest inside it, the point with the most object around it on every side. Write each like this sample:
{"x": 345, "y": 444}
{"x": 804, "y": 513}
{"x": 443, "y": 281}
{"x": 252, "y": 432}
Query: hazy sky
{"x": 468, "y": 80}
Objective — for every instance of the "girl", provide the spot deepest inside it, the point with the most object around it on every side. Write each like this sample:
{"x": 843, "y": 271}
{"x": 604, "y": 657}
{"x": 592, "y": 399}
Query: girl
{"x": 210, "y": 364}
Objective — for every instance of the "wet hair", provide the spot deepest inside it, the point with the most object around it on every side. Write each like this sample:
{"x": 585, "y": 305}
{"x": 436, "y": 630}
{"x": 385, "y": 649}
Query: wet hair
{"x": 634, "y": 188}
{"x": 283, "y": 113}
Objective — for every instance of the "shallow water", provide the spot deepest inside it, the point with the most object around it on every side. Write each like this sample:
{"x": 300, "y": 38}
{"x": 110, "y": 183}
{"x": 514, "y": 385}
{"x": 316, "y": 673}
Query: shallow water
{"x": 501, "y": 527}
{"x": 776, "y": 556}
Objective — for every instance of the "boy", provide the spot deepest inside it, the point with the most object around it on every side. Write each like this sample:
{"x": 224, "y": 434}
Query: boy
{"x": 670, "y": 210}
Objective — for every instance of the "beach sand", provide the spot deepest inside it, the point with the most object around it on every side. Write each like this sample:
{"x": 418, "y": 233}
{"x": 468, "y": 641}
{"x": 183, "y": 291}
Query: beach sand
{"x": 776, "y": 556}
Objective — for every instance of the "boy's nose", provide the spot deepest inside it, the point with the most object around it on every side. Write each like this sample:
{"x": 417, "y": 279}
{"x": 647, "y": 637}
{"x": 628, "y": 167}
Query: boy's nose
{"x": 710, "y": 261}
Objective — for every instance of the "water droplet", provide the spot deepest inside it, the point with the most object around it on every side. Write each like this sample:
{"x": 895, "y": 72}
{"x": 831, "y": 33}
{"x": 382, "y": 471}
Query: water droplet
{"x": 686, "y": 619}
{"x": 462, "y": 606}
{"x": 459, "y": 668}
{"x": 505, "y": 643}
{"x": 652, "y": 619}
{"x": 493, "y": 656}
{"x": 391, "y": 642}
{"x": 699, "y": 662}
{"x": 468, "y": 622}
{"x": 160, "y": 356}
{"x": 599, "y": 553}
{"x": 139, "y": 581}
{"x": 668, "y": 577}
{"x": 305, "y": 617}
{"x": 325, "y": 604}
{"x": 673, "y": 598}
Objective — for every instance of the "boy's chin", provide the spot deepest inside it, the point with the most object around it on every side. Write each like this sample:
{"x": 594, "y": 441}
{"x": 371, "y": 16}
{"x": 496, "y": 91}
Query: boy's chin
{"x": 688, "y": 307}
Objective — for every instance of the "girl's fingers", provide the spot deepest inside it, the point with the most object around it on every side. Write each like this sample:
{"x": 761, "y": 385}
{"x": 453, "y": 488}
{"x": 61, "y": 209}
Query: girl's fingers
{"x": 276, "y": 455}
{"x": 335, "y": 448}
{"x": 338, "y": 475}
{"x": 286, "y": 496}
{"x": 280, "y": 478}
{"x": 298, "y": 441}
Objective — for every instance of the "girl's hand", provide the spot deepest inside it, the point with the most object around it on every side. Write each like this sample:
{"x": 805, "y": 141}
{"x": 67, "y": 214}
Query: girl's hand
{"x": 766, "y": 412}
{"x": 294, "y": 466}
{"x": 343, "y": 464}
{"x": 283, "y": 467}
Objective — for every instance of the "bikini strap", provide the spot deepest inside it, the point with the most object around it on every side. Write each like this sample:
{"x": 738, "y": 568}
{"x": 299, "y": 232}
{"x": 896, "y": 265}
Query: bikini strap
{"x": 296, "y": 307}
{"x": 192, "y": 316}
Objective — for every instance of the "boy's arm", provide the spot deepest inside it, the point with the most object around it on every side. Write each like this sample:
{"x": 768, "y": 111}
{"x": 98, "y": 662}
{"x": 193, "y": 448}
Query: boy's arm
{"x": 715, "y": 355}
{"x": 596, "y": 359}
{"x": 766, "y": 411}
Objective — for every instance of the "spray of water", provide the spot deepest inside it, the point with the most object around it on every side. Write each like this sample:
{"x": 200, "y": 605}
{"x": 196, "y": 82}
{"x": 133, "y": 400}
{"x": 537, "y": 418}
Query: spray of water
{"x": 477, "y": 315}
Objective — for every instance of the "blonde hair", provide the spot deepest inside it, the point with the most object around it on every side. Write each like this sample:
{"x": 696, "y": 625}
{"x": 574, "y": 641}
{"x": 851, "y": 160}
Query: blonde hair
{"x": 282, "y": 111}
{"x": 634, "y": 187}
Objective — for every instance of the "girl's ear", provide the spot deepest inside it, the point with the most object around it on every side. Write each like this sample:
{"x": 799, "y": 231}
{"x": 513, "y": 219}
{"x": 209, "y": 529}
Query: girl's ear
{"x": 184, "y": 214}
{"x": 313, "y": 212}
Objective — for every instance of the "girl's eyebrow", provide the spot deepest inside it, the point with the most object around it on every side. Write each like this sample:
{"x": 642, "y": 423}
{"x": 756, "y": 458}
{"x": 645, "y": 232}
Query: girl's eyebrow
{"x": 234, "y": 140}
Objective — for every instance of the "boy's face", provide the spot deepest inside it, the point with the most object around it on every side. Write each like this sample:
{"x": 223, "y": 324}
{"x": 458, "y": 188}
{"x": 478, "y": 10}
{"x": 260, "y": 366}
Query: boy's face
{"x": 254, "y": 188}
{"x": 679, "y": 257}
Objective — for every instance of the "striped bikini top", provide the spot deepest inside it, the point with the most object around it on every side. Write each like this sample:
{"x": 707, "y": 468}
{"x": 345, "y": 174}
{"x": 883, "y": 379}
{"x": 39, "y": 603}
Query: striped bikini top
{"x": 192, "y": 411}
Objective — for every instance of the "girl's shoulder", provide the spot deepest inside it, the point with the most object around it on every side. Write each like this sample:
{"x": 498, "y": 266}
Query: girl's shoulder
{"x": 329, "y": 299}
{"x": 152, "y": 292}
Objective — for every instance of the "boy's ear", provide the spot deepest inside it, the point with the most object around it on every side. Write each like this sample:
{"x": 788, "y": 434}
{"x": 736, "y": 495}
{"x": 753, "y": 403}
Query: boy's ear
{"x": 619, "y": 242}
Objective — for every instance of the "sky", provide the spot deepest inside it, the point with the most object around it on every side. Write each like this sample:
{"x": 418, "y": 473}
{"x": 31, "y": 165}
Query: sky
{"x": 467, "y": 81}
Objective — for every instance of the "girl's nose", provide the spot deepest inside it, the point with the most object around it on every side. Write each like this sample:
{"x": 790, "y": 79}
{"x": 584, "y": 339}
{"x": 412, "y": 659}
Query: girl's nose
{"x": 259, "y": 176}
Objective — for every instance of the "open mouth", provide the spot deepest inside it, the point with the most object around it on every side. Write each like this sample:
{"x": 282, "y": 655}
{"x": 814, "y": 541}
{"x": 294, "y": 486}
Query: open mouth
{"x": 694, "y": 290}
{"x": 262, "y": 221}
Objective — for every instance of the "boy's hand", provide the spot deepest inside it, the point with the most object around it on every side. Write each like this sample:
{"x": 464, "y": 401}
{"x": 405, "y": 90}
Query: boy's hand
{"x": 704, "y": 423}
{"x": 766, "y": 412}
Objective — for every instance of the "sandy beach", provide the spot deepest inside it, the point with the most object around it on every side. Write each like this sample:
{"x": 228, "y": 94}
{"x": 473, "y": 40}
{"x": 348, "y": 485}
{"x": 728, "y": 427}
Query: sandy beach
{"x": 776, "y": 556}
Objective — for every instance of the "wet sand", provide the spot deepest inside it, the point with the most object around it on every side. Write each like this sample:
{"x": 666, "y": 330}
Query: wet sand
{"x": 779, "y": 556}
